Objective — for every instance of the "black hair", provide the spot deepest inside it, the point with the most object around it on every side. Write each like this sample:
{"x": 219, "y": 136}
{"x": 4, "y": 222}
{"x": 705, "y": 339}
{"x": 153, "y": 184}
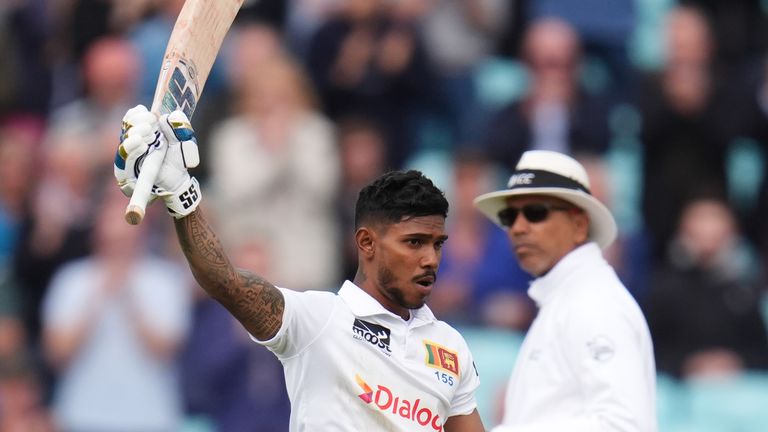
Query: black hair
{"x": 399, "y": 194}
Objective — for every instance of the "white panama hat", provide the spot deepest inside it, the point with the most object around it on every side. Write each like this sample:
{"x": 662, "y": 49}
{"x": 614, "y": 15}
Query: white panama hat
{"x": 543, "y": 172}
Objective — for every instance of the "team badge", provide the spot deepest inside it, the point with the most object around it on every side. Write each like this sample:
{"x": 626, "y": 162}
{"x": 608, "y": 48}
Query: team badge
{"x": 440, "y": 357}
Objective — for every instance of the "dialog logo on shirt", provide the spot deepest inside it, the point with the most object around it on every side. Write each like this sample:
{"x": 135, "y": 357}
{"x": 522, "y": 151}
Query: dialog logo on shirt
{"x": 387, "y": 401}
{"x": 375, "y": 334}
{"x": 440, "y": 357}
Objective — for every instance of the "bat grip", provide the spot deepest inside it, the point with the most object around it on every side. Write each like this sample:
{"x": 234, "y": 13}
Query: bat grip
{"x": 142, "y": 192}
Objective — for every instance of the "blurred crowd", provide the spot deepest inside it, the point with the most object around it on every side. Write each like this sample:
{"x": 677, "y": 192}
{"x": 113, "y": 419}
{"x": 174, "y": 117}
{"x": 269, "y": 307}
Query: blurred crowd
{"x": 101, "y": 326}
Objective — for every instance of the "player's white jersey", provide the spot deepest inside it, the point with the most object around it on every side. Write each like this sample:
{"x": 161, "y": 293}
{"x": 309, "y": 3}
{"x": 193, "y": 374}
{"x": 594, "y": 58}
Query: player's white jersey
{"x": 351, "y": 365}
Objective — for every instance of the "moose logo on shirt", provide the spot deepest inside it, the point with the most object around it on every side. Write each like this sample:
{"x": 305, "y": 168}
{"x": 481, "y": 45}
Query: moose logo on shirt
{"x": 375, "y": 334}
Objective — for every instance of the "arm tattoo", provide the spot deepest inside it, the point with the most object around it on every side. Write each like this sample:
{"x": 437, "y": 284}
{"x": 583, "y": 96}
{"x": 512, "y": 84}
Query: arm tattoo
{"x": 255, "y": 302}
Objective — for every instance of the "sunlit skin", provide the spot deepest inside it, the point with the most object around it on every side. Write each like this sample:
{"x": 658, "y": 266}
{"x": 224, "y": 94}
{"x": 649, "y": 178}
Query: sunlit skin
{"x": 539, "y": 246}
{"x": 398, "y": 262}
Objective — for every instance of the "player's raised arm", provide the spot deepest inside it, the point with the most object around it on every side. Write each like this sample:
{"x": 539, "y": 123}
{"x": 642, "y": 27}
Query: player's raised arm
{"x": 256, "y": 303}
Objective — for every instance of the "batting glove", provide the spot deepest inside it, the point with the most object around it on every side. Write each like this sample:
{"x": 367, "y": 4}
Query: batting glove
{"x": 139, "y": 137}
{"x": 144, "y": 133}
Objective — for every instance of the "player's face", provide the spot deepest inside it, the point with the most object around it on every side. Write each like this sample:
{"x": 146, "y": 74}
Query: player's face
{"x": 555, "y": 231}
{"x": 407, "y": 257}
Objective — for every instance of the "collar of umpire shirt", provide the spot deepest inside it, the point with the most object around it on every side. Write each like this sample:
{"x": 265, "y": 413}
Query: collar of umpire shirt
{"x": 544, "y": 288}
{"x": 362, "y": 304}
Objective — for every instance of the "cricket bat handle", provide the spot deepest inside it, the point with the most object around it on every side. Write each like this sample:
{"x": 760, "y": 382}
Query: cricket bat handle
{"x": 142, "y": 192}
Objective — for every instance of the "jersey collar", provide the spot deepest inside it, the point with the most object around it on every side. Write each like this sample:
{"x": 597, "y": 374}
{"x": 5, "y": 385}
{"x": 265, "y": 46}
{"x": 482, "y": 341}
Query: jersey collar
{"x": 362, "y": 304}
{"x": 544, "y": 288}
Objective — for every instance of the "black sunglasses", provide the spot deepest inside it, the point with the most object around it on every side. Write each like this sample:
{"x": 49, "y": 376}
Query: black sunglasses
{"x": 533, "y": 213}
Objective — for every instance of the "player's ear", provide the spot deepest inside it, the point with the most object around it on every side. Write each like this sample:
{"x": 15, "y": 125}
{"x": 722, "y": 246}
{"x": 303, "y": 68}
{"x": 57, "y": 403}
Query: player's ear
{"x": 365, "y": 239}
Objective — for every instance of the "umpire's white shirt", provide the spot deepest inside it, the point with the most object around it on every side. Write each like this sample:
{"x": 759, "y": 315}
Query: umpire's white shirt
{"x": 587, "y": 361}
{"x": 351, "y": 365}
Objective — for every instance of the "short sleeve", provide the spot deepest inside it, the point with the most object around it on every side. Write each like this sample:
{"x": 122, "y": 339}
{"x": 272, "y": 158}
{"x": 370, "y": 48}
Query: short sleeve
{"x": 305, "y": 317}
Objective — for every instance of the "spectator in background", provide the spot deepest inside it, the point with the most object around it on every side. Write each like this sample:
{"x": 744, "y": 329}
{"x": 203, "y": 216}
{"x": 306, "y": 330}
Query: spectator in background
{"x": 459, "y": 35}
{"x": 711, "y": 276}
{"x": 113, "y": 324}
{"x": 369, "y": 60}
{"x": 479, "y": 282}
{"x": 556, "y": 113}
{"x": 587, "y": 361}
{"x": 275, "y": 172}
{"x": 19, "y": 145}
{"x": 56, "y": 228}
{"x": 75, "y": 26}
{"x": 25, "y": 71}
{"x": 688, "y": 120}
{"x": 363, "y": 154}
{"x": 77, "y": 149}
{"x": 22, "y": 407}
{"x": 739, "y": 27}
{"x": 249, "y": 45}
{"x": 605, "y": 29}
{"x": 111, "y": 72}
{"x": 754, "y": 227}
{"x": 302, "y": 19}
{"x": 239, "y": 385}
{"x": 21, "y": 393}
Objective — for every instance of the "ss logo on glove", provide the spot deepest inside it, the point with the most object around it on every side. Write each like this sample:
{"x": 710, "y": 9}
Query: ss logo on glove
{"x": 189, "y": 197}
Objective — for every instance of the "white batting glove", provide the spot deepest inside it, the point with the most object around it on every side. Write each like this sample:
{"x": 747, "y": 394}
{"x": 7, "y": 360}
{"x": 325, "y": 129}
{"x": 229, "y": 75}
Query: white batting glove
{"x": 138, "y": 137}
{"x": 144, "y": 133}
{"x": 179, "y": 190}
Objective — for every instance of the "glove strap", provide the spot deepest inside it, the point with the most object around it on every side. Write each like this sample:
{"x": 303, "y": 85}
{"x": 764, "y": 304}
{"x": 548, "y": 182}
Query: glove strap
{"x": 185, "y": 199}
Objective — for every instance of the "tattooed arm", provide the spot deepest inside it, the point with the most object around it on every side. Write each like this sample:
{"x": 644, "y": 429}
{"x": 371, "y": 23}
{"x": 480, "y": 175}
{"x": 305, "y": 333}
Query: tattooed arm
{"x": 255, "y": 302}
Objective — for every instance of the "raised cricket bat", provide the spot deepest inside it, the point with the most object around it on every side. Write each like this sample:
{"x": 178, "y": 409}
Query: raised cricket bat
{"x": 189, "y": 56}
